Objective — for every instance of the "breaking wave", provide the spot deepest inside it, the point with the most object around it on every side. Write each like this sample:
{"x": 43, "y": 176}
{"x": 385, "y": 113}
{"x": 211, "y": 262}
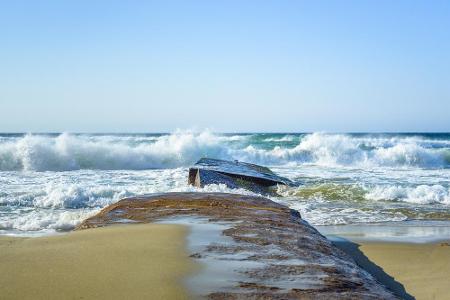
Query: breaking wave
{"x": 344, "y": 150}
{"x": 72, "y": 152}
{"x": 286, "y": 138}
{"x": 45, "y": 220}
{"x": 420, "y": 194}
{"x": 182, "y": 148}
{"x": 63, "y": 207}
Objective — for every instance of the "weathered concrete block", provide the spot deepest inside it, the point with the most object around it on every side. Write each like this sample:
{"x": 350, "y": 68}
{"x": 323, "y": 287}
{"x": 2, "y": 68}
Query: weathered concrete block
{"x": 234, "y": 174}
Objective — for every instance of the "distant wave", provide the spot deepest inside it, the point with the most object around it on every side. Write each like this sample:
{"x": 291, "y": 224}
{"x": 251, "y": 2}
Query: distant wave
{"x": 71, "y": 152}
{"x": 344, "y": 150}
{"x": 286, "y": 138}
{"x": 182, "y": 148}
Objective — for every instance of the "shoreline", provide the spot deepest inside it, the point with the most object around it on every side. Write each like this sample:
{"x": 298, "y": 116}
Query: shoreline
{"x": 114, "y": 262}
{"x": 250, "y": 247}
{"x": 408, "y": 232}
{"x": 410, "y": 270}
{"x": 411, "y": 258}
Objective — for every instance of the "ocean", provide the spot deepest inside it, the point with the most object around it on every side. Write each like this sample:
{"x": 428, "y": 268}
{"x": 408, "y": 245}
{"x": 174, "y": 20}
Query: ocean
{"x": 50, "y": 182}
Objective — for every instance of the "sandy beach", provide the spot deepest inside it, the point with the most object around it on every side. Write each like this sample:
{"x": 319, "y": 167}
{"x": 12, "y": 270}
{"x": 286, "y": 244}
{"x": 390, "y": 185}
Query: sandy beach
{"x": 419, "y": 271}
{"x": 118, "y": 262}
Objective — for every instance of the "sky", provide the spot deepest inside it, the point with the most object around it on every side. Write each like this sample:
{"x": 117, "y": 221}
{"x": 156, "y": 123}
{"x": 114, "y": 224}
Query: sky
{"x": 229, "y": 66}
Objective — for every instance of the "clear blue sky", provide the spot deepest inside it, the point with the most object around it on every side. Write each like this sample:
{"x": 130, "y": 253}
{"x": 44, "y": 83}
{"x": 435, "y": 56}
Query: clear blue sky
{"x": 142, "y": 66}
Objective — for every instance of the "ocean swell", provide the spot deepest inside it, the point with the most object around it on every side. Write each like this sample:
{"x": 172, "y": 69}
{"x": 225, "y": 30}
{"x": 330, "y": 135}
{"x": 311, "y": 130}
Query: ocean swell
{"x": 344, "y": 150}
{"x": 71, "y": 152}
{"x": 74, "y": 152}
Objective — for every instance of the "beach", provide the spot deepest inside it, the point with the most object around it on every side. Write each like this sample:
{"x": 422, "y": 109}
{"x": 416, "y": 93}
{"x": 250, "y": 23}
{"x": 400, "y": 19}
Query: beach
{"x": 423, "y": 269}
{"x": 412, "y": 258}
{"x": 412, "y": 270}
{"x": 371, "y": 188}
{"x": 225, "y": 150}
{"x": 117, "y": 262}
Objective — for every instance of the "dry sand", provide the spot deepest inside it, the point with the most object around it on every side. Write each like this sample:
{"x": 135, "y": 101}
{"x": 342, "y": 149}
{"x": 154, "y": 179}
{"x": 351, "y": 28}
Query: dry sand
{"x": 420, "y": 271}
{"x": 118, "y": 262}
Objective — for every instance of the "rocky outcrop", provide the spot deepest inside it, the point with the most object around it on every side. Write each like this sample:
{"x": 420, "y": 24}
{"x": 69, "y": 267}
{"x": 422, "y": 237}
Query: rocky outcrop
{"x": 235, "y": 174}
{"x": 268, "y": 250}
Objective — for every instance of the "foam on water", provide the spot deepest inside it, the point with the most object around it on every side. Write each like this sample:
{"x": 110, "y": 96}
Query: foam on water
{"x": 286, "y": 138}
{"x": 52, "y": 182}
{"x": 182, "y": 148}
{"x": 49, "y": 201}
{"x": 422, "y": 194}
{"x": 71, "y": 152}
{"x": 44, "y": 220}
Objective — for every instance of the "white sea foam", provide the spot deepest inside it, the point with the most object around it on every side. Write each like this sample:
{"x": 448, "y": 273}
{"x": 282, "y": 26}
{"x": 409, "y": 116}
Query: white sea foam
{"x": 422, "y": 194}
{"x": 77, "y": 196}
{"x": 70, "y": 152}
{"x": 54, "y": 182}
{"x": 342, "y": 150}
{"x": 416, "y": 193}
{"x": 44, "y": 220}
{"x": 65, "y": 208}
{"x": 182, "y": 148}
{"x": 321, "y": 216}
{"x": 61, "y": 200}
{"x": 286, "y": 138}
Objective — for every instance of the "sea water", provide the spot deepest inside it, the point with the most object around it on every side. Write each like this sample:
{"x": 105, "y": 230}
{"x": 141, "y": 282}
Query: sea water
{"x": 51, "y": 182}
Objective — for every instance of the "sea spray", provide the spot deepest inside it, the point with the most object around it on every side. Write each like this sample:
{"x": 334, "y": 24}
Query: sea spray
{"x": 74, "y": 152}
{"x": 52, "y": 181}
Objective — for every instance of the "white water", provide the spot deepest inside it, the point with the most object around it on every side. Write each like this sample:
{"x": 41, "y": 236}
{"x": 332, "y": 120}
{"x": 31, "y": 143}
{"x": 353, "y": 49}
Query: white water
{"x": 73, "y": 152}
{"x": 53, "y": 182}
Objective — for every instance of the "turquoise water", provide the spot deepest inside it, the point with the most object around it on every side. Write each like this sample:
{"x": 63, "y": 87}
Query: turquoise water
{"x": 50, "y": 182}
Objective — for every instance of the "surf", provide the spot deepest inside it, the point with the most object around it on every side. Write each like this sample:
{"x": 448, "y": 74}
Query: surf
{"x": 66, "y": 152}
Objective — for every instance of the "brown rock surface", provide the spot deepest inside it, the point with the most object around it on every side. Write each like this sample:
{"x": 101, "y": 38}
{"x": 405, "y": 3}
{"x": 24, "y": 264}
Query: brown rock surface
{"x": 277, "y": 254}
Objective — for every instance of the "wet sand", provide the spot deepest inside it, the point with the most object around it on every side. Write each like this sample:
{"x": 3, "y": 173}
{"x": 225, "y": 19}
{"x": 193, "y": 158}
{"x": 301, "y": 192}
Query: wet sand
{"x": 419, "y": 271}
{"x": 117, "y": 262}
